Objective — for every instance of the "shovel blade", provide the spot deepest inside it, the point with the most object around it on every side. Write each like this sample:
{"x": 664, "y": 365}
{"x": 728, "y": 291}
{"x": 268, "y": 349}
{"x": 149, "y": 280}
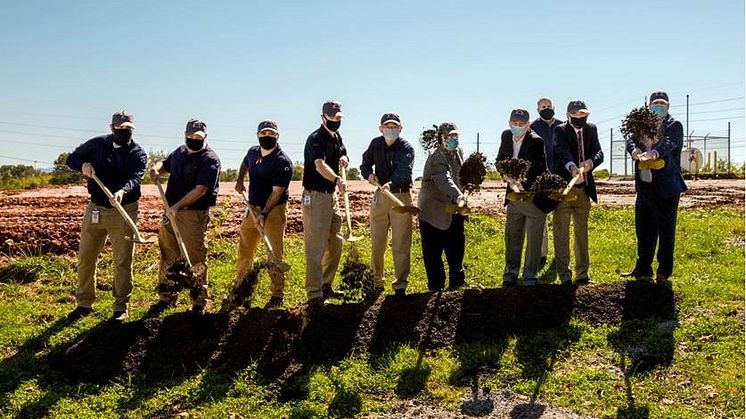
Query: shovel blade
{"x": 519, "y": 196}
{"x": 141, "y": 239}
{"x": 404, "y": 209}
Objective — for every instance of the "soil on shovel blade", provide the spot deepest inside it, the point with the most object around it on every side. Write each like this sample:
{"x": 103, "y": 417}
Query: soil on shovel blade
{"x": 284, "y": 343}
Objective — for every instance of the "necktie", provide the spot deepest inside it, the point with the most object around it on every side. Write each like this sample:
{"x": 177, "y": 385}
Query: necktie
{"x": 581, "y": 149}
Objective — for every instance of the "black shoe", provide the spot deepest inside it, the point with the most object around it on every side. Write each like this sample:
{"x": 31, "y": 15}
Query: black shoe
{"x": 508, "y": 284}
{"x": 274, "y": 302}
{"x": 79, "y": 313}
{"x": 316, "y": 303}
{"x": 330, "y": 292}
{"x": 542, "y": 262}
{"x": 662, "y": 279}
{"x": 584, "y": 281}
{"x": 454, "y": 287}
{"x": 157, "y": 308}
{"x": 119, "y": 316}
{"x": 567, "y": 283}
{"x": 198, "y": 310}
{"x": 400, "y": 292}
{"x": 637, "y": 274}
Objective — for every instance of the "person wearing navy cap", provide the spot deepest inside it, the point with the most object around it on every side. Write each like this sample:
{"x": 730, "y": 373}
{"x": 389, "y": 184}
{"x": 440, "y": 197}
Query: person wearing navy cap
{"x": 659, "y": 185}
{"x": 192, "y": 188}
{"x": 523, "y": 219}
{"x": 270, "y": 170}
{"x": 576, "y": 152}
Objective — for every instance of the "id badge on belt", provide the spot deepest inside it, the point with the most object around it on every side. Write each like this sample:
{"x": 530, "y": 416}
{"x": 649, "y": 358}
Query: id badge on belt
{"x": 307, "y": 200}
{"x": 375, "y": 198}
{"x": 95, "y": 216}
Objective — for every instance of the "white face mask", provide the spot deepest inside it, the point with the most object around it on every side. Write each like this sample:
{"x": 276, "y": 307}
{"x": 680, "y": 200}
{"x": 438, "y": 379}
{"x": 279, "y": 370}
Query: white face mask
{"x": 390, "y": 135}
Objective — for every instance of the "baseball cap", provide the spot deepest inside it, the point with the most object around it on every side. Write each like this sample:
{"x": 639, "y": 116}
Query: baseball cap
{"x": 196, "y": 127}
{"x": 267, "y": 124}
{"x": 390, "y": 117}
{"x": 658, "y": 95}
{"x": 448, "y": 128}
{"x": 332, "y": 108}
{"x": 519, "y": 115}
{"x": 123, "y": 119}
{"x": 577, "y": 106}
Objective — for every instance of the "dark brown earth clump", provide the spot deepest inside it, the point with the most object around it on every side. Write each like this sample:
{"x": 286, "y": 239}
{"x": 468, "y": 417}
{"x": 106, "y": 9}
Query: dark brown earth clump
{"x": 473, "y": 172}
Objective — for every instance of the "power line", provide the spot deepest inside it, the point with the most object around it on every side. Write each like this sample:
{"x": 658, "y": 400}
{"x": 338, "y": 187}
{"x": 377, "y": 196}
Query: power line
{"x": 710, "y": 102}
{"x": 22, "y": 159}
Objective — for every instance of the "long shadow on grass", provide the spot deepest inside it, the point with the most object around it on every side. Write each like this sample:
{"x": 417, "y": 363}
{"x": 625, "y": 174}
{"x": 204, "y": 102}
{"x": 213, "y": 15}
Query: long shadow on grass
{"x": 643, "y": 343}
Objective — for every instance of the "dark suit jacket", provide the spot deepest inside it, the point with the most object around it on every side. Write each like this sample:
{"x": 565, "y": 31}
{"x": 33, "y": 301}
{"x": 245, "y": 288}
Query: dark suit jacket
{"x": 532, "y": 149}
{"x": 668, "y": 181}
{"x": 566, "y": 150}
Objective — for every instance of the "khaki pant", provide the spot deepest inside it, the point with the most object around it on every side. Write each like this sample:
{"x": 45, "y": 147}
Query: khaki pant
{"x": 545, "y": 239}
{"x": 193, "y": 228}
{"x": 579, "y": 210}
{"x": 382, "y": 216}
{"x": 249, "y": 240}
{"x": 322, "y": 226}
{"x": 92, "y": 240}
{"x": 523, "y": 220}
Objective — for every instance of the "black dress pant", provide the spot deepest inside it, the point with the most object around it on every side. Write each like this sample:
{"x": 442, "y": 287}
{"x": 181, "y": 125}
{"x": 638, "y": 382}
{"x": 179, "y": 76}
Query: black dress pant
{"x": 434, "y": 242}
{"x": 655, "y": 222}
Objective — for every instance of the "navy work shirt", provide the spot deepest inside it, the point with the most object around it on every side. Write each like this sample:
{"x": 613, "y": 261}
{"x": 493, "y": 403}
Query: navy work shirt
{"x": 189, "y": 170}
{"x": 117, "y": 167}
{"x": 392, "y": 163}
{"x": 274, "y": 169}
{"x": 321, "y": 145}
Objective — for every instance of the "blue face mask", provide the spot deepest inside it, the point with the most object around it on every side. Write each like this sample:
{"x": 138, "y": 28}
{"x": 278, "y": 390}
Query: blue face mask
{"x": 517, "y": 131}
{"x": 391, "y": 134}
{"x": 659, "y": 110}
{"x": 451, "y": 143}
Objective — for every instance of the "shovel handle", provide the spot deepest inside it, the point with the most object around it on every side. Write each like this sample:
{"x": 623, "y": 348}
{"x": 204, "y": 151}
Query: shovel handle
{"x": 343, "y": 173}
{"x": 120, "y": 209}
{"x": 573, "y": 181}
{"x": 177, "y": 233}
{"x": 390, "y": 195}
{"x": 265, "y": 239}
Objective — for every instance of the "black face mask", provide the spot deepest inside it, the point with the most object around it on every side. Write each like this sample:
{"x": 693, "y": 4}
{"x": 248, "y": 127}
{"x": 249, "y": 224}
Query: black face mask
{"x": 546, "y": 114}
{"x": 267, "y": 142}
{"x": 122, "y": 136}
{"x": 578, "y": 122}
{"x": 194, "y": 145}
{"x": 333, "y": 126}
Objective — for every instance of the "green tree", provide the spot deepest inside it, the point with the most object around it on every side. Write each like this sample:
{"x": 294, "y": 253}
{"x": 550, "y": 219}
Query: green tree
{"x": 63, "y": 175}
{"x": 154, "y": 156}
{"x": 297, "y": 171}
{"x": 353, "y": 173}
{"x": 229, "y": 175}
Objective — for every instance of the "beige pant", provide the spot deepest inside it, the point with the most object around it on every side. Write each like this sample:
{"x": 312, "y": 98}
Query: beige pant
{"x": 579, "y": 211}
{"x": 193, "y": 228}
{"x": 382, "y": 216}
{"x": 249, "y": 239}
{"x": 322, "y": 225}
{"x": 92, "y": 240}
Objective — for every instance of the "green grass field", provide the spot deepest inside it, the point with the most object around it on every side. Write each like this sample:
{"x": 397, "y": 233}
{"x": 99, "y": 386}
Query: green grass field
{"x": 579, "y": 367}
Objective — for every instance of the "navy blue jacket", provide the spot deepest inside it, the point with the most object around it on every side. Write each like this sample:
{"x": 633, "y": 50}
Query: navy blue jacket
{"x": 546, "y": 132}
{"x": 392, "y": 164}
{"x": 274, "y": 169}
{"x": 668, "y": 181}
{"x": 566, "y": 150}
{"x": 189, "y": 170}
{"x": 118, "y": 168}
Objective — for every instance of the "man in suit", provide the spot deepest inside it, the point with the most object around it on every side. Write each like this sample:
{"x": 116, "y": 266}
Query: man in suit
{"x": 544, "y": 126}
{"x": 658, "y": 191}
{"x": 523, "y": 218}
{"x": 576, "y": 152}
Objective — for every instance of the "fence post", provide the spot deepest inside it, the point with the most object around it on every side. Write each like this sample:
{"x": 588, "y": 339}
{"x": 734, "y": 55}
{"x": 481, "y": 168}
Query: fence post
{"x": 715, "y": 162}
{"x": 728, "y": 146}
{"x": 611, "y": 151}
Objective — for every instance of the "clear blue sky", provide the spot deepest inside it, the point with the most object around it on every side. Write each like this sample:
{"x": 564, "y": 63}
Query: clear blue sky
{"x": 68, "y": 66}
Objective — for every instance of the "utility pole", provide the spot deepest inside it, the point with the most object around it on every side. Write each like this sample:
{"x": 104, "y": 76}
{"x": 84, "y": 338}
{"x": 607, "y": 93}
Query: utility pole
{"x": 477, "y": 141}
{"x": 728, "y": 146}
{"x": 689, "y": 143}
{"x": 611, "y": 151}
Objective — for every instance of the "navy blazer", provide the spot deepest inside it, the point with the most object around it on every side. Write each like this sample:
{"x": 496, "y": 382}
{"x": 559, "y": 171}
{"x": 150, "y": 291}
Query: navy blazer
{"x": 668, "y": 181}
{"x": 532, "y": 149}
{"x": 566, "y": 150}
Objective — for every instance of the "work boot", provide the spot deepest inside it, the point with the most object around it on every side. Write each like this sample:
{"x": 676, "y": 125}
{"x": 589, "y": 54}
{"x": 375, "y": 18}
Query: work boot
{"x": 274, "y": 302}
{"x": 119, "y": 316}
{"x": 79, "y": 313}
{"x": 330, "y": 292}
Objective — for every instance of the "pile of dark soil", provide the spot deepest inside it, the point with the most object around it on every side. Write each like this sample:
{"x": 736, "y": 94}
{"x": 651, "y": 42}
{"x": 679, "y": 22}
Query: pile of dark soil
{"x": 643, "y": 125}
{"x": 547, "y": 184}
{"x": 180, "y": 274}
{"x": 515, "y": 168}
{"x": 357, "y": 278}
{"x": 242, "y": 295}
{"x": 429, "y": 138}
{"x": 473, "y": 172}
{"x": 285, "y": 342}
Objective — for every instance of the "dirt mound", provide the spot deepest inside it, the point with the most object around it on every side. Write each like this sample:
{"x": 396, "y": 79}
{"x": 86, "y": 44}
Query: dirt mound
{"x": 285, "y": 342}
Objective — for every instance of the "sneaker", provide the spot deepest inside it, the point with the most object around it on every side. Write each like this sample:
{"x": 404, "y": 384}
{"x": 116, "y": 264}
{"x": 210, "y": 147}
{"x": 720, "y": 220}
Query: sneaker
{"x": 400, "y": 292}
{"x": 584, "y": 281}
{"x": 79, "y": 313}
{"x": 330, "y": 292}
{"x": 157, "y": 308}
{"x": 274, "y": 302}
{"x": 119, "y": 316}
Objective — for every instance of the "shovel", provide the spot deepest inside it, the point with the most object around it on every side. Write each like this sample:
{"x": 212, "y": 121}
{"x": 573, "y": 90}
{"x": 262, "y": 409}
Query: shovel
{"x": 517, "y": 194}
{"x": 281, "y": 266}
{"x": 456, "y": 209}
{"x": 184, "y": 275}
{"x": 136, "y": 237}
{"x": 398, "y": 205}
{"x": 565, "y": 195}
{"x": 348, "y": 234}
